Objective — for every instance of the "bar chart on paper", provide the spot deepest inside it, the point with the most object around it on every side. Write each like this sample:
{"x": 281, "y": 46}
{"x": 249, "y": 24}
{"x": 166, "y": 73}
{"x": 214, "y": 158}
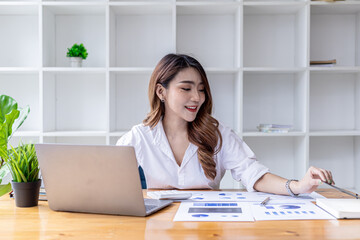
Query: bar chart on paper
{"x": 214, "y": 211}
{"x": 294, "y": 211}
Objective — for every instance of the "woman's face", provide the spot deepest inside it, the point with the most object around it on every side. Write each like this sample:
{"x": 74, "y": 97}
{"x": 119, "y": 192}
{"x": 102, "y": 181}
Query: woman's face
{"x": 184, "y": 95}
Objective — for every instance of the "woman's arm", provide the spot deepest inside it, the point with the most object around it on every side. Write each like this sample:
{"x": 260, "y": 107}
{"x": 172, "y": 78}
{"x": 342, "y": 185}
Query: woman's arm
{"x": 272, "y": 183}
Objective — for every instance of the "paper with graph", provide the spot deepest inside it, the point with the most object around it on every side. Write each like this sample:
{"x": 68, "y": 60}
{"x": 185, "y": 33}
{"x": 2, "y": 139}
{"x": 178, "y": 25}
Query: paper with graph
{"x": 228, "y": 196}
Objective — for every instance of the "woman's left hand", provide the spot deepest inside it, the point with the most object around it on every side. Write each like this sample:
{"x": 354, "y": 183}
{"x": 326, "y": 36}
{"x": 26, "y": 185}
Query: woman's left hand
{"x": 312, "y": 179}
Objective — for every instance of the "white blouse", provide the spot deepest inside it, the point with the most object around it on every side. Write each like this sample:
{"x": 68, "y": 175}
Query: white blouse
{"x": 155, "y": 156}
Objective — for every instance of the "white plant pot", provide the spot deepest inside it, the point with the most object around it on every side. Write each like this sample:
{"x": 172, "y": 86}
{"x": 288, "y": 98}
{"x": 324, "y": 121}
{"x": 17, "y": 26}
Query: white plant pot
{"x": 75, "y": 61}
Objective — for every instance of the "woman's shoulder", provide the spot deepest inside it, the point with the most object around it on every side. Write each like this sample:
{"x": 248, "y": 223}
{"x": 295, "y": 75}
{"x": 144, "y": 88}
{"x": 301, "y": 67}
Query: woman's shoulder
{"x": 134, "y": 135}
{"x": 229, "y": 136}
{"x": 225, "y": 130}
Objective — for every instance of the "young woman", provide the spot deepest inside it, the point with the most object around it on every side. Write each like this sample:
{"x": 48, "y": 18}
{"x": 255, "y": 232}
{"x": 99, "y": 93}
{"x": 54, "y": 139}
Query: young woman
{"x": 180, "y": 145}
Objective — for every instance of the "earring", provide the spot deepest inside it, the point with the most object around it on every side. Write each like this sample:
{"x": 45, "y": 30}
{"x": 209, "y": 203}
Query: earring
{"x": 162, "y": 100}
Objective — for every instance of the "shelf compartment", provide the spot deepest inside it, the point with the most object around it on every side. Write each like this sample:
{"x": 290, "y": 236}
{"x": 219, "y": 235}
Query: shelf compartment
{"x": 15, "y": 140}
{"x": 80, "y": 140}
{"x": 335, "y": 33}
{"x": 129, "y": 102}
{"x": 264, "y": 29}
{"x": 334, "y": 102}
{"x": 274, "y": 98}
{"x": 23, "y": 87}
{"x": 340, "y": 155}
{"x": 225, "y": 88}
{"x": 19, "y": 44}
{"x": 285, "y": 156}
{"x": 64, "y": 25}
{"x": 218, "y": 43}
{"x": 140, "y": 35}
{"x": 114, "y": 139}
{"x": 74, "y": 102}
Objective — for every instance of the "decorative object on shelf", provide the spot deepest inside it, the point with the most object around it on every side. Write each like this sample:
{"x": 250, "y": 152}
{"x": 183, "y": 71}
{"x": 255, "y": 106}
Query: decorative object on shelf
{"x": 274, "y": 128}
{"x": 323, "y": 63}
{"x": 76, "y": 54}
{"x": 24, "y": 168}
{"x": 11, "y": 118}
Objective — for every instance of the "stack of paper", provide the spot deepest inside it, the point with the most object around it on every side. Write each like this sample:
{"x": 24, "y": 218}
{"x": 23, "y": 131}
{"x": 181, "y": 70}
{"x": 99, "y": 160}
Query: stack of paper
{"x": 341, "y": 208}
{"x": 274, "y": 128}
{"x": 246, "y": 206}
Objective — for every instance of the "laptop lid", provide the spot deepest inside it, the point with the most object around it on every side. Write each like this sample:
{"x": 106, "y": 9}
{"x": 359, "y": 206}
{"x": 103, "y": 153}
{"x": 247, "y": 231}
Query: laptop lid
{"x": 92, "y": 179}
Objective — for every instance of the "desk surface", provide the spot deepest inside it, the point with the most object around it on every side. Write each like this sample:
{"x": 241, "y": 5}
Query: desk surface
{"x": 42, "y": 223}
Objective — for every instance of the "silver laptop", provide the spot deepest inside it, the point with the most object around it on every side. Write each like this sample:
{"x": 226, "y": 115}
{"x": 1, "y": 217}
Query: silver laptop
{"x": 94, "y": 179}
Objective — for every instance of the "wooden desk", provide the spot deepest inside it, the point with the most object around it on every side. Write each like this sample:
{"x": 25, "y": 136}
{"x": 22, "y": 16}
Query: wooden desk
{"x": 42, "y": 223}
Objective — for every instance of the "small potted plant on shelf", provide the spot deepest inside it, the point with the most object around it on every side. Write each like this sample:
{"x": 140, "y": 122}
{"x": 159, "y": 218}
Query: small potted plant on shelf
{"x": 11, "y": 118}
{"x": 24, "y": 168}
{"x": 76, "y": 54}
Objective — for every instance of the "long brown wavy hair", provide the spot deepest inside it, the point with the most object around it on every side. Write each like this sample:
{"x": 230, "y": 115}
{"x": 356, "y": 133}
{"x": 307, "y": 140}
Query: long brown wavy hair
{"x": 203, "y": 131}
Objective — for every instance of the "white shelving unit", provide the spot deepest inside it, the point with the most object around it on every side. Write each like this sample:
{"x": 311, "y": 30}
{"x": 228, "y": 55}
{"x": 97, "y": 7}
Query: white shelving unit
{"x": 256, "y": 54}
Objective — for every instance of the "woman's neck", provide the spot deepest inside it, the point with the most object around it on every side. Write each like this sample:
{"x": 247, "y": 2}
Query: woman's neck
{"x": 174, "y": 126}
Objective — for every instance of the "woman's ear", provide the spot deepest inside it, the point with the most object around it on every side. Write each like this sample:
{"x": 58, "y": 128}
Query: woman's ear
{"x": 160, "y": 92}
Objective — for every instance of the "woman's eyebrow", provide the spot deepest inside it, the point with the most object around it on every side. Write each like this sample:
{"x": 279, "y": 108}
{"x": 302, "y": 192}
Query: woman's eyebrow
{"x": 190, "y": 82}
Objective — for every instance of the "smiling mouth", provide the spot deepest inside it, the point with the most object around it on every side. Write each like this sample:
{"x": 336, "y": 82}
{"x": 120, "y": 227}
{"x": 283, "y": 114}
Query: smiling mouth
{"x": 192, "y": 108}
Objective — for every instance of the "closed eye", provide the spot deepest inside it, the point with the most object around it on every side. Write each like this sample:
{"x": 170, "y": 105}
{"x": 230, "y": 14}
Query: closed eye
{"x": 186, "y": 89}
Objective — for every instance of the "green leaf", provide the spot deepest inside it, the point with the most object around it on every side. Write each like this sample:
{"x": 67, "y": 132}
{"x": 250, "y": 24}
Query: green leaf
{"x": 6, "y": 126}
{"x": 7, "y": 104}
{"x": 9, "y": 121}
{"x": 24, "y": 112}
{"x": 23, "y": 163}
{"x": 5, "y": 189}
{"x": 77, "y": 51}
{"x": 11, "y": 118}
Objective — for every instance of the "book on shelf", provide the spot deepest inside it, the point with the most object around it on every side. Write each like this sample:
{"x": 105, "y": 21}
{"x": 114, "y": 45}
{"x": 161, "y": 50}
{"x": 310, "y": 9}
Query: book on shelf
{"x": 323, "y": 63}
{"x": 340, "y": 208}
{"x": 274, "y": 128}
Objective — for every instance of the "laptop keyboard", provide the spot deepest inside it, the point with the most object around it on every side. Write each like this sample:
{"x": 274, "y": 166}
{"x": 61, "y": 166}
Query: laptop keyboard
{"x": 150, "y": 207}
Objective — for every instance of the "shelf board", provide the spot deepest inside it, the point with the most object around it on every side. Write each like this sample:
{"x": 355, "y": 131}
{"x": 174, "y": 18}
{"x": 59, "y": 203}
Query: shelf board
{"x": 222, "y": 70}
{"x": 75, "y": 134}
{"x": 335, "y": 133}
{"x": 19, "y": 8}
{"x": 335, "y": 69}
{"x": 19, "y": 70}
{"x": 74, "y": 70}
{"x": 141, "y": 8}
{"x": 118, "y": 133}
{"x": 343, "y": 7}
{"x": 272, "y": 70}
{"x": 257, "y": 8}
{"x": 206, "y": 8}
{"x": 262, "y": 134}
{"x": 76, "y": 8}
{"x": 27, "y": 134}
{"x": 131, "y": 70}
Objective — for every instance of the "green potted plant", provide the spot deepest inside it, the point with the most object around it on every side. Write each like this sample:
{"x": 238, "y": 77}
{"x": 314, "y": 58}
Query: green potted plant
{"x": 76, "y": 54}
{"x": 11, "y": 118}
{"x": 24, "y": 167}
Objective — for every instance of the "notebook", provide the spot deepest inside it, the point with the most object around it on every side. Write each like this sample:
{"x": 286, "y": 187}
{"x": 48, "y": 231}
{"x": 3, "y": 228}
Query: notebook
{"x": 94, "y": 179}
{"x": 340, "y": 208}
